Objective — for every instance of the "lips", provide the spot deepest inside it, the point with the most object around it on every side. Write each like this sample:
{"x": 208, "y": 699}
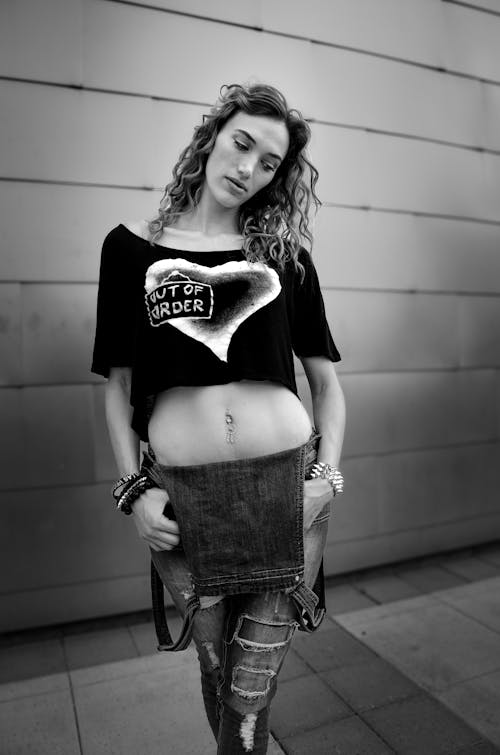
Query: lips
{"x": 237, "y": 184}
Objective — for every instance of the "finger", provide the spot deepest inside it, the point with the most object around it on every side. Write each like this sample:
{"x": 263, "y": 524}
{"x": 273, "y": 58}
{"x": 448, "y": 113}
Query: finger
{"x": 158, "y": 545}
{"x": 167, "y": 525}
{"x": 168, "y": 538}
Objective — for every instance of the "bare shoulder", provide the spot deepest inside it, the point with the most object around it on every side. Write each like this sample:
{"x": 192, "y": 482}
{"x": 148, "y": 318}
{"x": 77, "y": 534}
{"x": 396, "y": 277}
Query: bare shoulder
{"x": 138, "y": 227}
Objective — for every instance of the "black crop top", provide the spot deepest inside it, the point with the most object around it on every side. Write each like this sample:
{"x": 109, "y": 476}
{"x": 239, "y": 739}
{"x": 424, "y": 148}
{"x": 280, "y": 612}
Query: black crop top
{"x": 202, "y": 318}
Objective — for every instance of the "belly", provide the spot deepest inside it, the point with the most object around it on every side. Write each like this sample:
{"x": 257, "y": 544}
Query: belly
{"x": 203, "y": 424}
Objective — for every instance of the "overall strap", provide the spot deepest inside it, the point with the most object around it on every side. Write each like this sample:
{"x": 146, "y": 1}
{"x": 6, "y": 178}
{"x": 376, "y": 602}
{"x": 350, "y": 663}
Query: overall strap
{"x": 310, "y": 614}
{"x": 162, "y": 631}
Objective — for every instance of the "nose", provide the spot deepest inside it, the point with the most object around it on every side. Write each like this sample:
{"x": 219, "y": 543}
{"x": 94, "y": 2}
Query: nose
{"x": 245, "y": 169}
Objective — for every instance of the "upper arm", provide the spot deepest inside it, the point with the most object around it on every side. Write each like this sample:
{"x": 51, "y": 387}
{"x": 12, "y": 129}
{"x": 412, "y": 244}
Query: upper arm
{"x": 121, "y": 376}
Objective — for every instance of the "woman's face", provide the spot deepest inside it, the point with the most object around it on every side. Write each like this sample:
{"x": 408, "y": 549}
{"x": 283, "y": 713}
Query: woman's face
{"x": 245, "y": 157}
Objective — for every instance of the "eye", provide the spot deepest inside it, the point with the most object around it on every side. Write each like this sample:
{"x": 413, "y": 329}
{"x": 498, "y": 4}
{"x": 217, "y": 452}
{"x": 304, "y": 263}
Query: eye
{"x": 241, "y": 146}
{"x": 268, "y": 167}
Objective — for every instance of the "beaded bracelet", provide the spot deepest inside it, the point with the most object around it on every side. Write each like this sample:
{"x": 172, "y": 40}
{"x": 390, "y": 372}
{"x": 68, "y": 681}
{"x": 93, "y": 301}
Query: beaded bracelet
{"x": 122, "y": 482}
{"x": 130, "y": 489}
{"x": 329, "y": 473}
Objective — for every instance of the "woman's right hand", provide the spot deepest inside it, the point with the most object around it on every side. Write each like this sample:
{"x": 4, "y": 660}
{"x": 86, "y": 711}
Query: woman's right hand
{"x": 160, "y": 533}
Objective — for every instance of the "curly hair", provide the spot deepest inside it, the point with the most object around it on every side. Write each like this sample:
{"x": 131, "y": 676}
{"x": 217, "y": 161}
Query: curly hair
{"x": 274, "y": 222}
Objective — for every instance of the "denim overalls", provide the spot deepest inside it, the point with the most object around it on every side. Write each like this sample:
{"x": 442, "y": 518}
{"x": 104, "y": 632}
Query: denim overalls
{"x": 241, "y": 531}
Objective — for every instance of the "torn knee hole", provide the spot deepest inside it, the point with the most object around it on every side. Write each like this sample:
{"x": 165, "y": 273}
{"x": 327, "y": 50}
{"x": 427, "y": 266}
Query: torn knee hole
{"x": 259, "y": 636}
{"x": 251, "y": 684}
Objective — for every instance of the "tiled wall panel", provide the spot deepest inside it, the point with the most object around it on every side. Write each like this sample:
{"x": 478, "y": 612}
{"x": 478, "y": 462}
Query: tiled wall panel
{"x": 397, "y": 28}
{"x": 10, "y": 333}
{"x": 41, "y": 41}
{"x": 367, "y": 249}
{"x": 491, "y": 112}
{"x": 356, "y": 248}
{"x": 78, "y": 538}
{"x": 397, "y": 411}
{"x": 471, "y": 41}
{"x": 55, "y": 233}
{"x": 59, "y": 605}
{"x": 424, "y": 488}
{"x": 11, "y": 438}
{"x": 391, "y": 547}
{"x": 457, "y": 256}
{"x": 57, "y": 439}
{"x": 480, "y": 331}
{"x": 423, "y": 176}
{"x": 148, "y": 45}
{"x": 392, "y": 331}
{"x": 58, "y": 332}
{"x": 59, "y": 134}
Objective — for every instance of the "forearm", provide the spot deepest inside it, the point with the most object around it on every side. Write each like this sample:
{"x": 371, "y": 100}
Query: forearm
{"x": 124, "y": 441}
{"x": 329, "y": 419}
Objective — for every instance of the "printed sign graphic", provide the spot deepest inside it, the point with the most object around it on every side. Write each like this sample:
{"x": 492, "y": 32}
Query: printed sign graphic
{"x": 208, "y": 304}
{"x": 178, "y": 296}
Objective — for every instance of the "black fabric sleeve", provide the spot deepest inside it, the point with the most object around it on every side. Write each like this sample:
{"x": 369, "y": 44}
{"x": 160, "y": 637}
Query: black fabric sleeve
{"x": 115, "y": 321}
{"x": 311, "y": 334}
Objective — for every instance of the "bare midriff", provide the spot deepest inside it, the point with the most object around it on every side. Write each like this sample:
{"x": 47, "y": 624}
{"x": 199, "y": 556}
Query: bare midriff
{"x": 245, "y": 419}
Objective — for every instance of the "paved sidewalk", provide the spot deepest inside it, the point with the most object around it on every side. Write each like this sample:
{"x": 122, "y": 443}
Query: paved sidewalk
{"x": 407, "y": 662}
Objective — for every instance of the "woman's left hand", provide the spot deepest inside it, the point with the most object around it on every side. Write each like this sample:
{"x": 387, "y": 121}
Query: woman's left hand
{"x": 317, "y": 493}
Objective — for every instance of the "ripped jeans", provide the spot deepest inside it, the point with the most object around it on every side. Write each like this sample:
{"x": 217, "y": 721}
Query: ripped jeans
{"x": 242, "y": 641}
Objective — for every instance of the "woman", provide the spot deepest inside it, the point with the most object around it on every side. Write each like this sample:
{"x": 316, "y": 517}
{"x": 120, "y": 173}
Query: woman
{"x": 199, "y": 311}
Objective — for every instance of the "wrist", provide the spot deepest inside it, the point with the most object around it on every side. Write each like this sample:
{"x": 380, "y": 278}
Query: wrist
{"x": 329, "y": 473}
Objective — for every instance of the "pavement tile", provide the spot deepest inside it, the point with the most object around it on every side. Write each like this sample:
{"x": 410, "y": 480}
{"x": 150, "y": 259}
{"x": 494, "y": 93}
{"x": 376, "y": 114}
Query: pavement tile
{"x": 370, "y": 685}
{"x": 350, "y": 736}
{"x": 428, "y": 578}
{"x": 385, "y": 588}
{"x": 31, "y": 659}
{"x": 151, "y": 711}
{"x": 144, "y": 634}
{"x": 158, "y": 663}
{"x": 293, "y": 667}
{"x": 331, "y": 649}
{"x": 326, "y": 624}
{"x": 478, "y": 702}
{"x": 40, "y": 685}
{"x": 387, "y": 610}
{"x": 92, "y": 648}
{"x": 471, "y": 567}
{"x": 478, "y": 600}
{"x": 420, "y": 725}
{"x": 490, "y": 553}
{"x": 303, "y": 704}
{"x": 435, "y": 646}
{"x": 39, "y": 725}
{"x": 345, "y": 598}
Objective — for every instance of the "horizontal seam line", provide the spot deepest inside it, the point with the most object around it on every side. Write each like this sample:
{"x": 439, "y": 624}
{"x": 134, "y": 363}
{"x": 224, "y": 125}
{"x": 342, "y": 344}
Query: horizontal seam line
{"x": 471, "y": 6}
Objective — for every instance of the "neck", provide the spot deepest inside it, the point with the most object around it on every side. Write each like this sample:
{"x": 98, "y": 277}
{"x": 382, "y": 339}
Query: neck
{"x": 209, "y": 218}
